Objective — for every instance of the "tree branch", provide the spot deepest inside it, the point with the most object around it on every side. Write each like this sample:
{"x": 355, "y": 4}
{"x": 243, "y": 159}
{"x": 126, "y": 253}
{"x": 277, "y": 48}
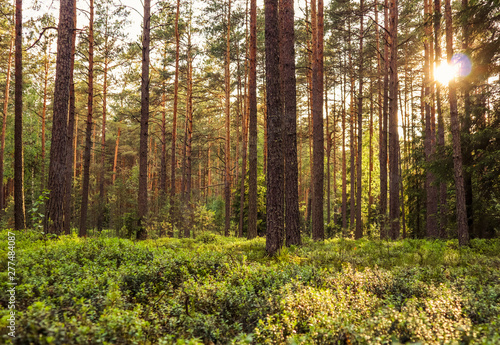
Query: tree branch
{"x": 40, "y": 37}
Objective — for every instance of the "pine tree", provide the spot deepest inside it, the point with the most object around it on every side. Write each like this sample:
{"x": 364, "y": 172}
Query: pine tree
{"x": 4, "y": 123}
{"x": 394, "y": 211}
{"x": 318, "y": 226}
{"x": 227, "y": 175}
{"x": 88, "y": 132}
{"x": 19, "y": 217}
{"x": 275, "y": 169}
{"x": 252, "y": 127}
{"x": 359, "y": 225}
{"x": 142, "y": 200}
{"x": 463, "y": 232}
{"x": 54, "y": 218}
{"x": 288, "y": 82}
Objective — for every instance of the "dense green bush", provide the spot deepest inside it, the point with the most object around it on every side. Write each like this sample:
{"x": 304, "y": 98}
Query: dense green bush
{"x": 215, "y": 290}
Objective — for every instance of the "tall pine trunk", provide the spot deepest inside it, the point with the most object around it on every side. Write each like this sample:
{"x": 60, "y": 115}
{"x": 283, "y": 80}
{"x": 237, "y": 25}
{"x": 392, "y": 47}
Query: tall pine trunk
{"x": 189, "y": 134}
{"x": 352, "y": 140}
{"x": 163, "y": 159}
{"x": 394, "y": 210}
{"x": 328, "y": 154}
{"x": 88, "y": 133}
{"x": 173, "y": 162}
{"x": 44, "y": 115}
{"x": 359, "y": 225}
{"x": 334, "y": 144}
{"x": 252, "y": 130}
{"x": 463, "y": 232}
{"x": 370, "y": 154}
{"x": 244, "y": 123}
{"x": 288, "y": 82}
{"x": 142, "y": 199}
{"x": 71, "y": 135}
{"x": 318, "y": 226}
{"x": 344, "y": 160}
{"x": 227, "y": 175}
{"x": 383, "y": 130}
{"x": 4, "y": 125}
{"x": 19, "y": 217}
{"x": 54, "y": 214}
{"x": 430, "y": 134}
{"x": 467, "y": 123}
{"x": 275, "y": 169}
{"x": 102, "y": 173}
{"x": 443, "y": 209}
{"x": 115, "y": 160}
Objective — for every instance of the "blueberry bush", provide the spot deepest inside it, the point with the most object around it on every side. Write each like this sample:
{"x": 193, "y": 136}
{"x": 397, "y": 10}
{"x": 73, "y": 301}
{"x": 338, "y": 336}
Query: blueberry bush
{"x": 215, "y": 290}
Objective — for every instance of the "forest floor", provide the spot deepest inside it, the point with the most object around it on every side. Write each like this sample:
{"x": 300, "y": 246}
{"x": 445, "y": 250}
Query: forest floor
{"x": 215, "y": 290}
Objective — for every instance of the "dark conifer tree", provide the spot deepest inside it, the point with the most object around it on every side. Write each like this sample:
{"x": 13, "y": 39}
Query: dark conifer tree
{"x": 288, "y": 82}
{"x": 275, "y": 168}
{"x": 54, "y": 218}
{"x": 252, "y": 126}
{"x": 143, "y": 142}
{"x": 19, "y": 221}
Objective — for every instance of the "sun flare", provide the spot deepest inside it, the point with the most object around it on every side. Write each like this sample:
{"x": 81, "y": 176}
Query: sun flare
{"x": 444, "y": 73}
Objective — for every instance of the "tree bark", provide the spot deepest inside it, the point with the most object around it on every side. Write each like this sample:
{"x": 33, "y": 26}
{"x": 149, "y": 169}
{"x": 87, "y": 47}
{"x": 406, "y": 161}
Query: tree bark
{"x": 344, "y": 165}
{"x": 4, "y": 125}
{"x": 443, "y": 208}
{"x": 463, "y": 231}
{"x": 75, "y": 147}
{"x": 252, "y": 144}
{"x": 334, "y": 144}
{"x": 467, "y": 123}
{"x": 174, "y": 122}
{"x": 318, "y": 226}
{"x": 275, "y": 169}
{"x": 19, "y": 216}
{"x": 190, "y": 122}
{"x": 44, "y": 116}
{"x": 102, "y": 192}
{"x": 189, "y": 132}
{"x": 310, "y": 57}
{"x": 359, "y": 225}
{"x": 54, "y": 217}
{"x": 71, "y": 134}
{"x": 352, "y": 140}
{"x": 115, "y": 160}
{"x": 163, "y": 159}
{"x": 370, "y": 153}
{"x": 142, "y": 199}
{"x": 383, "y": 130}
{"x": 227, "y": 175}
{"x": 394, "y": 210}
{"x": 430, "y": 136}
{"x": 88, "y": 133}
{"x": 244, "y": 123}
{"x": 264, "y": 113}
{"x": 288, "y": 83}
{"x": 183, "y": 161}
{"x": 328, "y": 154}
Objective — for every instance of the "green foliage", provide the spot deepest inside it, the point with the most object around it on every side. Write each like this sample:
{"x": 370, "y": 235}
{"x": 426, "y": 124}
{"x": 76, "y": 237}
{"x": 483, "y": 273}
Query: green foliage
{"x": 36, "y": 212}
{"x": 216, "y": 206}
{"x": 261, "y": 205}
{"x": 228, "y": 291}
{"x": 203, "y": 219}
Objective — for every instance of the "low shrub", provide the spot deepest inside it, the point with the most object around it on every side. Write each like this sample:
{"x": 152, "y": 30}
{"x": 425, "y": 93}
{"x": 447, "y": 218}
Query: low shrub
{"x": 216, "y": 290}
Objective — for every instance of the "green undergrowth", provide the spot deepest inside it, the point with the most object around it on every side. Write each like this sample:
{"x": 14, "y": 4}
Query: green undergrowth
{"x": 215, "y": 290}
